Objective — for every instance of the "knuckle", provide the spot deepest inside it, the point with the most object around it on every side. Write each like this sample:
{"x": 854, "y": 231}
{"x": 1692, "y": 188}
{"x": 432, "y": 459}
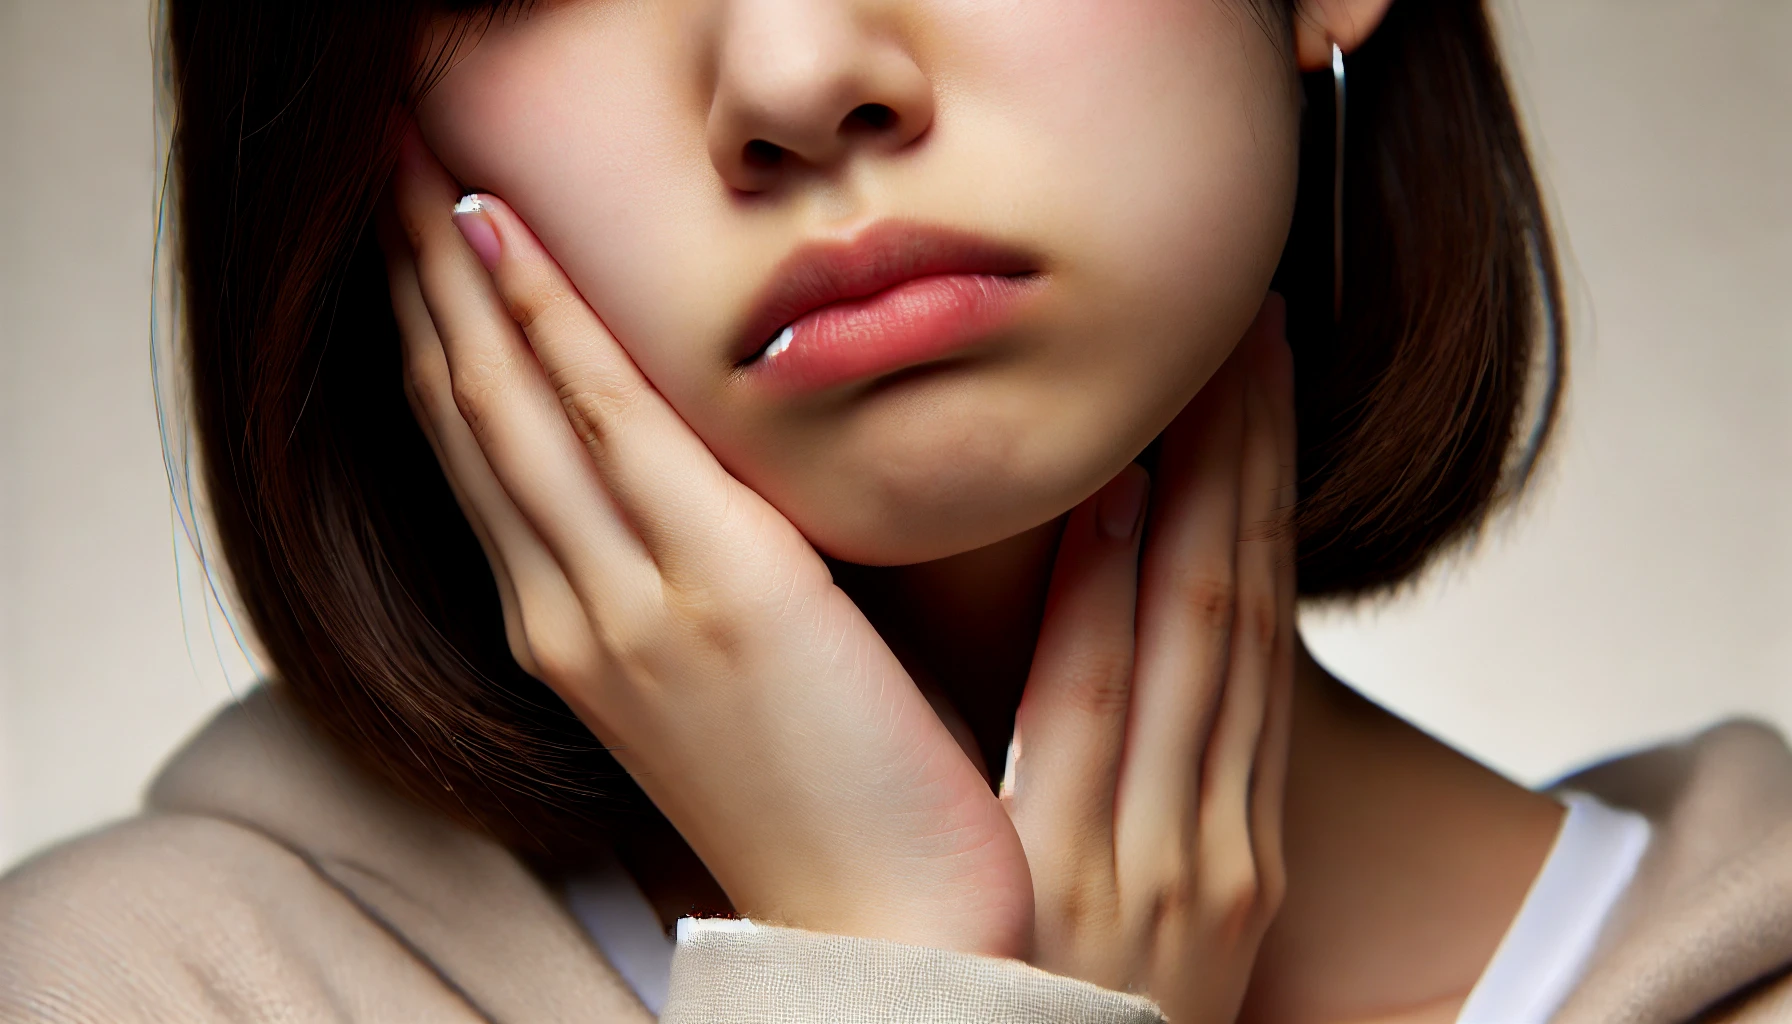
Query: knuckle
{"x": 546, "y": 656}
{"x": 1237, "y": 901}
{"x": 1101, "y": 682}
{"x": 594, "y": 401}
{"x": 1068, "y": 910}
{"x": 524, "y": 655}
{"x": 1241, "y": 893}
{"x": 1209, "y": 600}
{"x": 1257, "y": 620}
{"x": 1173, "y": 901}
{"x": 679, "y": 637}
{"x": 478, "y": 391}
{"x": 1079, "y": 907}
{"x": 1272, "y": 887}
{"x": 634, "y": 639}
{"x": 595, "y": 393}
{"x": 706, "y": 625}
{"x": 534, "y": 302}
{"x": 422, "y": 247}
{"x": 427, "y": 388}
{"x": 516, "y": 638}
{"x": 551, "y": 638}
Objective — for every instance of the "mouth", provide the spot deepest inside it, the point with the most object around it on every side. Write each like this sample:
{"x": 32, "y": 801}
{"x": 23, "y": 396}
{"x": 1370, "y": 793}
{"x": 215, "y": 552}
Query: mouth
{"x": 895, "y": 296}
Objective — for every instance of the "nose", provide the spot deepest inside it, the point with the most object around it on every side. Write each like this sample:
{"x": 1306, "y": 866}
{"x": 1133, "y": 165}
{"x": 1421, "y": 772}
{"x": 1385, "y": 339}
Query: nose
{"x": 801, "y": 85}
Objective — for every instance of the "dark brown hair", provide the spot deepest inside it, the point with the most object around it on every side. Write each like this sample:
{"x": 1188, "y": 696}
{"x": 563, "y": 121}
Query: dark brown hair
{"x": 365, "y": 586}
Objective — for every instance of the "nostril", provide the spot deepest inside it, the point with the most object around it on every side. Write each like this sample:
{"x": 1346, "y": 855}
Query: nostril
{"x": 869, "y": 117}
{"x": 761, "y": 155}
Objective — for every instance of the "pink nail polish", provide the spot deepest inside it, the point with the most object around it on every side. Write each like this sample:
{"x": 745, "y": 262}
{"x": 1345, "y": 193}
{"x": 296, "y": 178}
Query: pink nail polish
{"x": 476, "y": 227}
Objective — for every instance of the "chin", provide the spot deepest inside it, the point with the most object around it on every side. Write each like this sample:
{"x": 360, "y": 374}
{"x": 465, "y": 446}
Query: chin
{"x": 928, "y": 502}
{"x": 932, "y": 465}
{"x": 882, "y": 536}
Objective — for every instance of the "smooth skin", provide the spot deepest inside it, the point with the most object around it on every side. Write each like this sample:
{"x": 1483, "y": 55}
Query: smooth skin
{"x": 819, "y": 731}
{"x": 1143, "y": 153}
{"x": 697, "y": 632}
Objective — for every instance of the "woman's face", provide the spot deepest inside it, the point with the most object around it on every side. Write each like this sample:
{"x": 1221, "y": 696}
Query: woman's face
{"x": 1034, "y": 228}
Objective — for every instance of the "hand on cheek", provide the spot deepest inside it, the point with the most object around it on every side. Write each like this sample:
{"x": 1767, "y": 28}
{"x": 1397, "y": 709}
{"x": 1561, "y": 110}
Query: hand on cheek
{"x": 678, "y": 614}
{"x": 696, "y": 632}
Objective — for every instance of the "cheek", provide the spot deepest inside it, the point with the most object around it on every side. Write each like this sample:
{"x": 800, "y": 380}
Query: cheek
{"x": 1162, "y": 135}
{"x": 582, "y": 127}
{"x": 1149, "y": 147}
{"x": 1156, "y": 143}
{"x": 1146, "y": 147}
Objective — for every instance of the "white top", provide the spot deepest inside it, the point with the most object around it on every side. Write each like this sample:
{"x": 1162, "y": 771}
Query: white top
{"x": 626, "y": 928}
{"x": 1546, "y": 949}
{"x": 1537, "y": 964}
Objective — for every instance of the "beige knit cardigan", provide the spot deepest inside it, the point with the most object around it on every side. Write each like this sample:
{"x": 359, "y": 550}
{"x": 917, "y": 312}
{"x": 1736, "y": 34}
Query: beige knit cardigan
{"x": 268, "y": 881}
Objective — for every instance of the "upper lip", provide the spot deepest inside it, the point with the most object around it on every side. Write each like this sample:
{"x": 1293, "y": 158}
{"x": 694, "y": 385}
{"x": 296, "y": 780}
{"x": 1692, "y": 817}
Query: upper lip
{"x": 881, "y": 256}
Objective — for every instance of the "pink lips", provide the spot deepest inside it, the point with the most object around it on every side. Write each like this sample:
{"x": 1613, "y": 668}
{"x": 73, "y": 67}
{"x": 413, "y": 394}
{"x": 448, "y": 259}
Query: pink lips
{"x": 896, "y": 296}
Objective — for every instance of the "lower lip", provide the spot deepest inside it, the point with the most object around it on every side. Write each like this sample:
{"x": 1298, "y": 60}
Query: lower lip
{"x": 913, "y": 323}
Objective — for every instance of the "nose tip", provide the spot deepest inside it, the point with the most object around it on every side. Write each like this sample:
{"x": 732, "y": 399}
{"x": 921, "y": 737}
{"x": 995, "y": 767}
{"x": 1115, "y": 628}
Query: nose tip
{"x": 810, "y": 100}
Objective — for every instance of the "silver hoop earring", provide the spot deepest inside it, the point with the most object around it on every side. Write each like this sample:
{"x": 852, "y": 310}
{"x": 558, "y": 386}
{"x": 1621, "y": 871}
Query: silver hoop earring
{"x": 1338, "y": 186}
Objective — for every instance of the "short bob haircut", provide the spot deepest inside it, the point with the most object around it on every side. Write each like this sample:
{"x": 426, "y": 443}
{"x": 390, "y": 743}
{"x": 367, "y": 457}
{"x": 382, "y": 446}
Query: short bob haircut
{"x": 1421, "y": 410}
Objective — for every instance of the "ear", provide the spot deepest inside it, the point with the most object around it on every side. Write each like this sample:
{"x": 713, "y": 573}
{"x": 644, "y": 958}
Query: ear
{"x": 1320, "y": 23}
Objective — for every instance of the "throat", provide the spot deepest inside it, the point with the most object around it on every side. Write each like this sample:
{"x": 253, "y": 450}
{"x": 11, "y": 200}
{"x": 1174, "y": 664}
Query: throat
{"x": 965, "y": 628}
{"x": 1406, "y": 860}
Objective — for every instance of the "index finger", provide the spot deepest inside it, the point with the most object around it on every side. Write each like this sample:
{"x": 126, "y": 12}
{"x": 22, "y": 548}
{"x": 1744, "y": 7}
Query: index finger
{"x": 500, "y": 392}
{"x": 660, "y": 473}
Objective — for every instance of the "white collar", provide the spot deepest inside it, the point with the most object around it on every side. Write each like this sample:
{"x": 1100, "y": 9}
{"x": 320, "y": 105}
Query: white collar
{"x": 1549, "y": 943}
{"x": 1537, "y": 964}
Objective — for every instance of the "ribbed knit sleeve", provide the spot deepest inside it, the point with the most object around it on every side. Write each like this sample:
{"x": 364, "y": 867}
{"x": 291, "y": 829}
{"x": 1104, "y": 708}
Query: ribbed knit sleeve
{"x": 754, "y": 974}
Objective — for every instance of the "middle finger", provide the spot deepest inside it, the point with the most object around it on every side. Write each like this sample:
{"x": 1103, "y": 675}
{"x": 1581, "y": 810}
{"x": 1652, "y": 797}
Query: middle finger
{"x": 1186, "y": 597}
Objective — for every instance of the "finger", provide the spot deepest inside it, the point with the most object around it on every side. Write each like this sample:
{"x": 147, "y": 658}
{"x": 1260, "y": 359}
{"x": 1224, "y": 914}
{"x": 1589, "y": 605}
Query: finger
{"x": 1071, "y": 724}
{"x": 500, "y": 392}
{"x": 664, "y": 478}
{"x": 425, "y": 377}
{"x": 1225, "y": 841}
{"x": 1270, "y": 773}
{"x": 510, "y": 545}
{"x": 1185, "y": 619}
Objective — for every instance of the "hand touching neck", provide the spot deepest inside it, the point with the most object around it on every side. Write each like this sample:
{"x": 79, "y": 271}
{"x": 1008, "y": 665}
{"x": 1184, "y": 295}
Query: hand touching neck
{"x": 1407, "y": 860}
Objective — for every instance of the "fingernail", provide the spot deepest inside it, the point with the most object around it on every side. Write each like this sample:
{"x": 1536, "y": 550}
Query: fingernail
{"x": 1009, "y": 764}
{"x": 476, "y": 227}
{"x": 1122, "y": 502}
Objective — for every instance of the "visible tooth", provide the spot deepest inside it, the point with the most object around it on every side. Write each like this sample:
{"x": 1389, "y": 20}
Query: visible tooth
{"x": 780, "y": 343}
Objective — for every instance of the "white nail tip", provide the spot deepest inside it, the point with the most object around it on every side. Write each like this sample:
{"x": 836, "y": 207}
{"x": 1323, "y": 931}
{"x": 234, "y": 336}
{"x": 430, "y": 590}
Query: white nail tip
{"x": 780, "y": 343}
{"x": 469, "y": 204}
{"x": 1006, "y": 790}
{"x": 691, "y": 928}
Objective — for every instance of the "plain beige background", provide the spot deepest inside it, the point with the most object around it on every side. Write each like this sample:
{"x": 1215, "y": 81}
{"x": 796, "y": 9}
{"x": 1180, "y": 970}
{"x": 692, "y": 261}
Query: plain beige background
{"x": 1645, "y": 590}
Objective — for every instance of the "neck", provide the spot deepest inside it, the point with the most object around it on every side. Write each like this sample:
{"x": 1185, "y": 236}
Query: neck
{"x": 1406, "y": 860}
{"x": 965, "y": 628}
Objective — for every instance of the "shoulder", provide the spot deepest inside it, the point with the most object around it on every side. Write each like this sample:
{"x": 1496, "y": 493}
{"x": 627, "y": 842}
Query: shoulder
{"x": 1708, "y": 914}
{"x": 191, "y": 918}
{"x": 1741, "y": 761}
